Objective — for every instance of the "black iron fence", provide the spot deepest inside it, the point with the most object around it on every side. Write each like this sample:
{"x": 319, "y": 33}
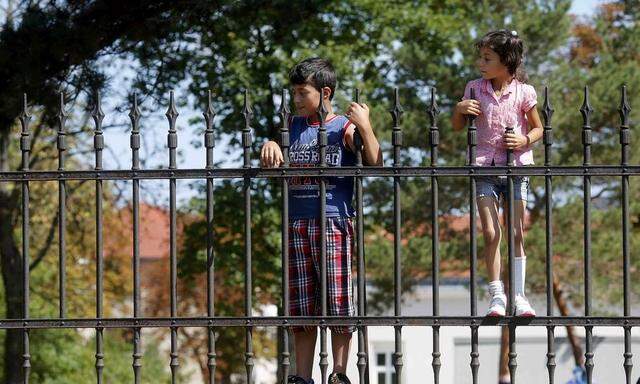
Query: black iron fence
{"x": 434, "y": 172}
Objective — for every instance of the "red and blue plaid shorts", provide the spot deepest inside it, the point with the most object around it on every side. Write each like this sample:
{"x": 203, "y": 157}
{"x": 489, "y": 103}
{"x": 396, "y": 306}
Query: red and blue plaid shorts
{"x": 304, "y": 269}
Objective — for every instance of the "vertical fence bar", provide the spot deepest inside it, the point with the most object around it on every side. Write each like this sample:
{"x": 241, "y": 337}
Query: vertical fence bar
{"x": 62, "y": 211}
{"x": 434, "y": 141}
{"x": 547, "y": 113}
{"x": 25, "y": 148}
{"x": 624, "y": 110}
{"x": 172, "y": 144}
{"x": 396, "y": 141}
{"x": 98, "y": 145}
{"x": 322, "y": 162}
{"x": 134, "y": 115}
{"x": 247, "y": 112}
{"x": 362, "y": 342}
{"x": 285, "y": 113}
{"x": 209, "y": 144}
{"x": 472, "y": 141}
{"x": 511, "y": 249}
{"x": 586, "y": 111}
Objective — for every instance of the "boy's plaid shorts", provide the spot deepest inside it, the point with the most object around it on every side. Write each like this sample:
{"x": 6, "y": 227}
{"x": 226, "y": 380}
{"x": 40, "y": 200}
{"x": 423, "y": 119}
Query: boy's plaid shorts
{"x": 304, "y": 269}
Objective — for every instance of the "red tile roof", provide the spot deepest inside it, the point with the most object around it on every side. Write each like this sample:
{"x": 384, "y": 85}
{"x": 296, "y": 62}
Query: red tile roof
{"x": 154, "y": 231}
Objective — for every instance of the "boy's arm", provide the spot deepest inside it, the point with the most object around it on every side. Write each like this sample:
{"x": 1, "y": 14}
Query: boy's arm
{"x": 271, "y": 155}
{"x": 358, "y": 114}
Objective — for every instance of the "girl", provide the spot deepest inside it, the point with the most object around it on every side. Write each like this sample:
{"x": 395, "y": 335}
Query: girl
{"x": 502, "y": 99}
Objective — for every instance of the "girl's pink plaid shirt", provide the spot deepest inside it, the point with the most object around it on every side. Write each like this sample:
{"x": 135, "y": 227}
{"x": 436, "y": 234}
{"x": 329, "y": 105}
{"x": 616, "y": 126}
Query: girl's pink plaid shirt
{"x": 509, "y": 109}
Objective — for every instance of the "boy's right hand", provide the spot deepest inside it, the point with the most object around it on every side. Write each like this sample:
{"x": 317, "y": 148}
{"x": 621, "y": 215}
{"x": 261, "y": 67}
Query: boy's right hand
{"x": 469, "y": 107}
{"x": 358, "y": 114}
{"x": 271, "y": 155}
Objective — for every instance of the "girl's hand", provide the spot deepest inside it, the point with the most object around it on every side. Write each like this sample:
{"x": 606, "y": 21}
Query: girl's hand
{"x": 469, "y": 107}
{"x": 271, "y": 155}
{"x": 515, "y": 141}
{"x": 358, "y": 114}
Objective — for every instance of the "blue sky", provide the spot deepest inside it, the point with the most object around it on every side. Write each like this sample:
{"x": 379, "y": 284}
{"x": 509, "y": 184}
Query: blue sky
{"x": 584, "y": 7}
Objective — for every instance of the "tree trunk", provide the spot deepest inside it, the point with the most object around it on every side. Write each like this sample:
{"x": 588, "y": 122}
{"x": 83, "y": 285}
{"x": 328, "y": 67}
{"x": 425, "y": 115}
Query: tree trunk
{"x": 11, "y": 273}
{"x": 558, "y": 294}
{"x": 11, "y": 265}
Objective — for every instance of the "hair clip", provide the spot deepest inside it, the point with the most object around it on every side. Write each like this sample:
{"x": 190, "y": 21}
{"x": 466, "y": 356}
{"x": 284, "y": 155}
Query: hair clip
{"x": 514, "y": 33}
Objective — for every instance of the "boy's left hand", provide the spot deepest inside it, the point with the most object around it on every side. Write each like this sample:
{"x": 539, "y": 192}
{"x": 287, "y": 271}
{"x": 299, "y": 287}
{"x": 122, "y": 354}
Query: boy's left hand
{"x": 515, "y": 141}
{"x": 358, "y": 114}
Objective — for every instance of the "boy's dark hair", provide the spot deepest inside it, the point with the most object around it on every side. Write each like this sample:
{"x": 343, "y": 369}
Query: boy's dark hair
{"x": 510, "y": 47}
{"x": 316, "y": 72}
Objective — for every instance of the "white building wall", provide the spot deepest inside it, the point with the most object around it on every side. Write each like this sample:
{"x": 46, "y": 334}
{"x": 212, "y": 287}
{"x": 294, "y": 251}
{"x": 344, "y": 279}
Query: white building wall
{"x": 455, "y": 346}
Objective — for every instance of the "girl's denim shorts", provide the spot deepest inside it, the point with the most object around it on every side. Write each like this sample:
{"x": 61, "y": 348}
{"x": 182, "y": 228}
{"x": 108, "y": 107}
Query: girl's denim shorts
{"x": 496, "y": 186}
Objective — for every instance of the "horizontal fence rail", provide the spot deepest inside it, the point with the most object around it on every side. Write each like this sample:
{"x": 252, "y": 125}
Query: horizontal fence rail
{"x": 214, "y": 323}
{"x": 369, "y": 171}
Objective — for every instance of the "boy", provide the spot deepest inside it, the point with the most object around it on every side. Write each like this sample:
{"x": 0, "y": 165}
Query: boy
{"x": 313, "y": 79}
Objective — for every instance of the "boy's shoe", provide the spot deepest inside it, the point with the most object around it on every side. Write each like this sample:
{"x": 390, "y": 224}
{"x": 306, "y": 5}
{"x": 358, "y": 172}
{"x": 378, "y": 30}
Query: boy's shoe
{"x": 497, "y": 306}
{"x": 294, "y": 379}
{"x": 338, "y": 378}
{"x": 523, "y": 308}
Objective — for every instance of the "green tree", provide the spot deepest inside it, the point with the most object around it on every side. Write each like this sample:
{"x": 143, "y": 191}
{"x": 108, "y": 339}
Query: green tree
{"x": 596, "y": 57}
{"x": 80, "y": 253}
{"x": 591, "y": 51}
{"x": 48, "y": 46}
{"x": 67, "y": 356}
{"x": 229, "y": 274}
{"x": 374, "y": 46}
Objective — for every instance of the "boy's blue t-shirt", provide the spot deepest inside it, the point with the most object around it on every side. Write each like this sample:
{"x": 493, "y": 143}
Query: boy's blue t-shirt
{"x": 304, "y": 201}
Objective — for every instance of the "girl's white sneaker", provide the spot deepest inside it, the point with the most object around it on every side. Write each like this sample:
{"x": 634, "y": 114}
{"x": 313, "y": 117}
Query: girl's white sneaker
{"x": 523, "y": 308}
{"x": 497, "y": 306}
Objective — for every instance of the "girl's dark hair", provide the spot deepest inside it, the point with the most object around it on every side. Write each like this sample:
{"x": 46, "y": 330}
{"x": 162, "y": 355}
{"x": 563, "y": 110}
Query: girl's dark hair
{"x": 316, "y": 72}
{"x": 510, "y": 47}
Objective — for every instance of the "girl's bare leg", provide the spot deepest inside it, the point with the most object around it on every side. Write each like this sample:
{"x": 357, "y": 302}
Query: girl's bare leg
{"x": 488, "y": 208}
{"x": 491, "y": 233}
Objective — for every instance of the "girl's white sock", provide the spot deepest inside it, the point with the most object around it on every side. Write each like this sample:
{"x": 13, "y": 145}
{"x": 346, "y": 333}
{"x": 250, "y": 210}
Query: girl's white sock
{"x": 521, "y": 271}
{"x": 496, "y": 288}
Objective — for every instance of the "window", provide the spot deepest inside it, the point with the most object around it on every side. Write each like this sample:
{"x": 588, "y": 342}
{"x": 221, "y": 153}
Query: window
{"x": 384, "y": 368}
